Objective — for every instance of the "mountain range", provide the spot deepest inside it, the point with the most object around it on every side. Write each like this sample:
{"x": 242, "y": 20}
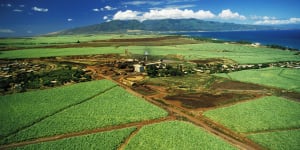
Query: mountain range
{"x": 164, "y": 25}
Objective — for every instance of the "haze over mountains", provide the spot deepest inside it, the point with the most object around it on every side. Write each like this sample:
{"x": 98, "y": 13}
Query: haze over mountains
{"x": 162, "y": 25}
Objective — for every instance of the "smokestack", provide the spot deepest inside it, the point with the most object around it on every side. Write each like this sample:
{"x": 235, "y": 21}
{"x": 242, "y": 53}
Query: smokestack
{"x": 146, "y": 55}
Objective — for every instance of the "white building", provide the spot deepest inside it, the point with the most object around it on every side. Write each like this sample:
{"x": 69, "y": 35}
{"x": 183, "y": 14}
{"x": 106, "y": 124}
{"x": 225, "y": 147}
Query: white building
{"x": 139, "y": 68}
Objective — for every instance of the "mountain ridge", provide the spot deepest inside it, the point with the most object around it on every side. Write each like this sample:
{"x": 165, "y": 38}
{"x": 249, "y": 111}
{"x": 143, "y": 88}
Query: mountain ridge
{"x": 163, "y": 25}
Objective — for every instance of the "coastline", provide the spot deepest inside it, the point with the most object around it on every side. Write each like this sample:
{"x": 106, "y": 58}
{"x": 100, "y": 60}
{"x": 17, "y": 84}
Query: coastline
{"x": 289, "y": 39}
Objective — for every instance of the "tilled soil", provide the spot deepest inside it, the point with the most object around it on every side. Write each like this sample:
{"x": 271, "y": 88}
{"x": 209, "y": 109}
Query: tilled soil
{"x": 205, "y": 100}
{"x": 236, "y": 85}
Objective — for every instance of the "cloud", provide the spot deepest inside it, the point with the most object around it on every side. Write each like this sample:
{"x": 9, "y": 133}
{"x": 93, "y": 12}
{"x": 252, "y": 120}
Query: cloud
{"x": 163, "y": 14}
{"x": 228, "y": 14}
{"x": 21, "y": 6}
{"x": 180, "y": 6}
{"x": 177, "y": 14}
{"x": 108, "y": 8}
{"x": 39, "y": 9}
{"x": 17, "y": 10}
{"x": 6, "y": 5}
{"x": 96, "y": 9}
{"x": 180, "y": 1}
{"x": 261, "y": 17}
{"x": 69, "y": 19}
{"x": 270, "y": 21}
{"x": 6, "y": 31}
{"x": 127, "y": 15}
{"x": 105, "y": 18}
{"x": 137, "y": 3}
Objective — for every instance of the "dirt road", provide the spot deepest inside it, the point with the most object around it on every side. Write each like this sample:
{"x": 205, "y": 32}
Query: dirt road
{"x": 210, "y": 126}
{"x": 174, "y": 112}
{"x": 85, "y": 132}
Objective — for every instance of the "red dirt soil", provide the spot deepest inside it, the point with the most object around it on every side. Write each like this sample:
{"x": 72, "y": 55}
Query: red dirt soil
{"x": 236, "y": 85}
{"x": 205, "y": 100}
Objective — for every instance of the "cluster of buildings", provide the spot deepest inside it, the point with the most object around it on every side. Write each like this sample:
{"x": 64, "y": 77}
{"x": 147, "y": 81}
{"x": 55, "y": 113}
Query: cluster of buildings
{"x": 223, "y": 68}
{"x": 11, "y": 69}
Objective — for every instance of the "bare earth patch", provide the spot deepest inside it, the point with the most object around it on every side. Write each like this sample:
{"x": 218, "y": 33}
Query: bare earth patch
{"x": 205, "y": 100}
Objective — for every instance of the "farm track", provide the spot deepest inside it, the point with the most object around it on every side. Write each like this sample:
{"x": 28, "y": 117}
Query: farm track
{"x": 123, "y": 145}
{"x": 216, "y": 129}
{"x": 86, "y": 132}
{"x": 56, "y": 112}
{"x": 272, "y": 130}
{"x": 281, "y": 74}
{"x": 233, "y": 138}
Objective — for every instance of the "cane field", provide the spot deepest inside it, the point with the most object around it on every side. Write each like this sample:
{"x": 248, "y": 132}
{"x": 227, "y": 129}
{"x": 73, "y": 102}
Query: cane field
{"x": 278, "y": 140}
{"x": 107, "y": 113}
{"x": 285, "y": 78}
{"x": 268, "y": 113}
{"x": 103, "y": 141}
{"x": 242, "y": 54}
{"x": 24, "y": 109}
{"x": 114, "y": 107}
{"x": 63, "y": 39}
{"x": 175, "y": 135}
{"x": 272, "y": 122}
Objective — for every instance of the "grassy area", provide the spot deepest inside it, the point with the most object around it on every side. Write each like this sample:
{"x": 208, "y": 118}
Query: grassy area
{"x": 113, "y": 107}
{"x": 64, "y": 39}
{"x": 23, "y": 109}
{"x": 175, "y": 135}
{"x": 258, "y": 115}
{"x": 49, "y": 52}
{"x": 239, "y": 53}
{"x": 278, "y": 140}
{"x": 191, "y": 82}
{"x": 102, "y": 141}
{"x": 284, "y": 78}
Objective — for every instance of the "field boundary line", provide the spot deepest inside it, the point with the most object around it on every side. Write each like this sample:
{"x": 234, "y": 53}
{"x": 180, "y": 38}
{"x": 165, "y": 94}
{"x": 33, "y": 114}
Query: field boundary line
{"x": 241, "y": 142}
{"x": 125, "y": 143}
{"x": 58, "y": 111}
{"x": 281, "y": 74}
{"x": 271, "y": 130}
{"x": 86, "y": 132}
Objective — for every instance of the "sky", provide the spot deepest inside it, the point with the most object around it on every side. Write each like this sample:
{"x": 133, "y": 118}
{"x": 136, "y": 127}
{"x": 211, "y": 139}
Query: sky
{"x": 36, "y": 17}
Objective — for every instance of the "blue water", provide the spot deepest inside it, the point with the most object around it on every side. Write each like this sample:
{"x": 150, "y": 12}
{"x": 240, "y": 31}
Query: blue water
{"x": 287, "y": 38}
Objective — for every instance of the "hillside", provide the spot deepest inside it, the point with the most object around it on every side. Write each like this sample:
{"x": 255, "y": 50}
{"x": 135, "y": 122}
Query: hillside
{"x": 161, "y": 25}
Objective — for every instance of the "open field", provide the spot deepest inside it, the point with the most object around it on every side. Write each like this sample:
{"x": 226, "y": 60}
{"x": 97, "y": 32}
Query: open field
{"x": 225, "y": 106}
{"x": 48, "y": 52}
{"x": 102, "y": 141}
{"x": 189, "y": 82}
{"x": 278, "y": 140}
{"x": 268, "y": 113}
{"x": 284, "y": 78}
{"x": 114, "y": 107}
{"x": 240, "y": 53}
{"x": 175, "y": 135}
{"x": 15, "y": 114}
{"x": 63, "y": 39}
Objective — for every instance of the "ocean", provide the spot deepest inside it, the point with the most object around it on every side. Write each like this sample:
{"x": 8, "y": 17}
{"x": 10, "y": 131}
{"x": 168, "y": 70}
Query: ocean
{"x": 286, "y": 38}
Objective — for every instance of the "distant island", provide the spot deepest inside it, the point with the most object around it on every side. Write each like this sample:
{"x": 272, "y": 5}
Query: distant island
{"x": 162, "y": 25}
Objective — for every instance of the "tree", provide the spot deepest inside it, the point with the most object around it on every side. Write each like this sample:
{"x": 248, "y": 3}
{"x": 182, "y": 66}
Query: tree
{"x": 152, "y": 71}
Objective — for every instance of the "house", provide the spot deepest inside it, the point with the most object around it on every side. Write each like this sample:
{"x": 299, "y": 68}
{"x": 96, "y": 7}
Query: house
{"x": 255, "y": 44}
